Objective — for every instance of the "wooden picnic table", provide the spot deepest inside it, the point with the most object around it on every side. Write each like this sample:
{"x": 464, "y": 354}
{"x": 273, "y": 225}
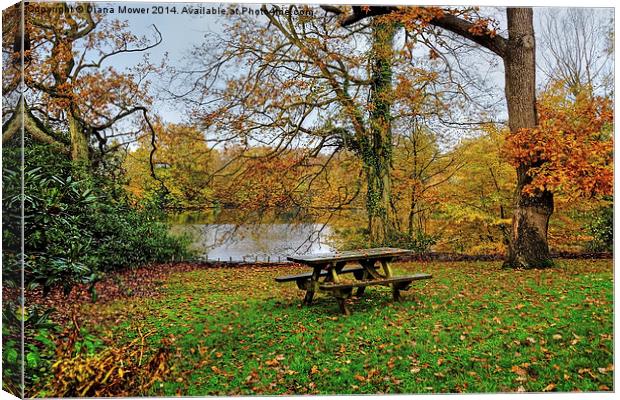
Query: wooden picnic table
{"x": 328, "y": 271}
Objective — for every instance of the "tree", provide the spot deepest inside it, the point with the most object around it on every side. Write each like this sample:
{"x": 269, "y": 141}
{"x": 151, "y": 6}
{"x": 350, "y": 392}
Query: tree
{"x": 575, "y": 45}
{"x": 528, "y": 245}
{"x": 184, "y": 164}
{"x": 299, "y": 80}
{"x": 68, "y": 86}
{"x": 571, "y": 150}
{"x": 476, "y": 203}
{"x": 421, "y": 168}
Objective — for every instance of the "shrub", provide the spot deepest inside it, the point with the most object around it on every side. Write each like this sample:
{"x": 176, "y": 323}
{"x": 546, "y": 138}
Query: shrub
{"x": 83, "y": 369}
{"x": 76, "y": 227}
{"x": 417, "y": 241}
{"x": 602, "y": 229}
{"x": 358, "y": 238}
{"x": 38, "y": 346}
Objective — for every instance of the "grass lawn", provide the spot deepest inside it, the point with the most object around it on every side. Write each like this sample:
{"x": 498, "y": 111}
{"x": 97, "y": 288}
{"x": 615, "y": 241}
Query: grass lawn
{"x": 472, "y": 328}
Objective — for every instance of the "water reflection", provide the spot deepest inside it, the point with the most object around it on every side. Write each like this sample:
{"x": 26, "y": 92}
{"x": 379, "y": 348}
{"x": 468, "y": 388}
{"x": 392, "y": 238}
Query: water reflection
{"x": 240, "y": 242}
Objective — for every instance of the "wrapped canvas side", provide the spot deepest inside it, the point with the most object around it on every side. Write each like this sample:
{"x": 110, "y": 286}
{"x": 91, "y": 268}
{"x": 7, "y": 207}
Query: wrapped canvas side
{"x": 13, "y": 302}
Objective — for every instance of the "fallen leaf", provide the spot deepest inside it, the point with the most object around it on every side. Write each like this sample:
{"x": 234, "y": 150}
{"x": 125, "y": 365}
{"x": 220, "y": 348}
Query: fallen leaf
{"x": 272, "y": 363}
{"x": 518, "y": 370}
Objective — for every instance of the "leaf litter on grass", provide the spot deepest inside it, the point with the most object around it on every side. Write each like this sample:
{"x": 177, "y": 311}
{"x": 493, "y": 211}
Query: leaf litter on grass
{"x": 472, "y": 328}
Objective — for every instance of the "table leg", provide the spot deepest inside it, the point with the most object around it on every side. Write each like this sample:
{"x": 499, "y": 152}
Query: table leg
{"x": 339, "y": 266}
{"x": 342, "y": 296}
{"x": 397, "y": 288}
{"x": 396, "y": 294}
{"x": 312, "y": 285}
{"x": 343, "y": 306}
{"x": 334, "y": 271}
{"x": 387, "y": 269}
{"x": 369, "y": 268}
{"x": 362, "y": 289}
{"x": 309, "y": 296}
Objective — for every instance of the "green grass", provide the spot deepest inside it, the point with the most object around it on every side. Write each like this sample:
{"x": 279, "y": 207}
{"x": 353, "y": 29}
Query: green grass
{"x": 473, "y": 328}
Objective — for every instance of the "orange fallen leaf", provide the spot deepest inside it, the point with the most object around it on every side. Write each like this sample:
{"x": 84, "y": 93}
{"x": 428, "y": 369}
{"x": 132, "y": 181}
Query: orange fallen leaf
{"x": 272, "y": 363}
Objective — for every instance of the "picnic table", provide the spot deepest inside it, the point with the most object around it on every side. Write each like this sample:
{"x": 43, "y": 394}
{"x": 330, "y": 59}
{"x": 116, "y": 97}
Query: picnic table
{"x": 329, "y": 272}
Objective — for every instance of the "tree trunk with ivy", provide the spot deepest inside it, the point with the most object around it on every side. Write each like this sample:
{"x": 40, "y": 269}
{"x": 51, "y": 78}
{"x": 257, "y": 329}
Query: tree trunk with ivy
{"x": 530, "y": 221}
{"x": 377, "y": 150}
{"x": 528, "y": 239}
{"x": 79, "y": 141}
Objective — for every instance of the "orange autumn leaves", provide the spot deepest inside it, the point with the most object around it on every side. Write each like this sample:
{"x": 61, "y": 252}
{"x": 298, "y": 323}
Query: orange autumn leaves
{"x": 571, "y": 150}
{"x": 71, "y": 64}
{"x": 418, "y": 18}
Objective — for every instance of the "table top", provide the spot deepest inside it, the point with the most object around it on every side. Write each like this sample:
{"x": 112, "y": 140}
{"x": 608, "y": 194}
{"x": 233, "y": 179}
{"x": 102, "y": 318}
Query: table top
{"x": 353, "y": 255}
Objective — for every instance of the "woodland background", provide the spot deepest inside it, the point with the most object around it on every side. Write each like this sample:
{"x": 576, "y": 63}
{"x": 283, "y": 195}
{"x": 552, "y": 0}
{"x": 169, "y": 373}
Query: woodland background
{"x": 387, "y": 123}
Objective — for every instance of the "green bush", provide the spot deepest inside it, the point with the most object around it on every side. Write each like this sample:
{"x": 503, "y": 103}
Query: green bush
{"x": 418, "y": 241}
{"x": 77, "y": 229}
{"x": 76, "y": 226}
{"x": 602, "y": 229}
{"x": 38, "y": 346}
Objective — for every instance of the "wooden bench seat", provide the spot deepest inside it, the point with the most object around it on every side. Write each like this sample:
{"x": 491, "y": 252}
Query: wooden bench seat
{"x": 290, "y": 278}
{"x": 385, "y": 281}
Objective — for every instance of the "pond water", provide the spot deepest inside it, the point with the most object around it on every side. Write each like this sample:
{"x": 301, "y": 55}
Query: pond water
{"x": 262, "y": 242}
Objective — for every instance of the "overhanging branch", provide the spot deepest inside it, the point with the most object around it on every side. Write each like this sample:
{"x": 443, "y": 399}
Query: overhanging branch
{"x": 449, "y": 22}
{"x": 23, "y": 117}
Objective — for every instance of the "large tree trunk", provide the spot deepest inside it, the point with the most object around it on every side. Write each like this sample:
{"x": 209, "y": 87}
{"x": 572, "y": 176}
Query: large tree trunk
{"x": 79, "y": 141}
{"x": 377, "y": 152}
{"x": 528, "y": 240}
{"x": 528, "y": 246}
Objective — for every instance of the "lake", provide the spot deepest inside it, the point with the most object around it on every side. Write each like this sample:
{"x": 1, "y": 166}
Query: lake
{"x": 273, "y": 241}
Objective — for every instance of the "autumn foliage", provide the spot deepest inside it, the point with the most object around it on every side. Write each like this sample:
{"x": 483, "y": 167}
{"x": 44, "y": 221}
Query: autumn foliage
{"x": 571, "y": 150}
{"x": 118, "y": 370}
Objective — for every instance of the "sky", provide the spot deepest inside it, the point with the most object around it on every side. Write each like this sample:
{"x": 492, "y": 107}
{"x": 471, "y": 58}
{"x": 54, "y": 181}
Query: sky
{"x": 180, "y": 32}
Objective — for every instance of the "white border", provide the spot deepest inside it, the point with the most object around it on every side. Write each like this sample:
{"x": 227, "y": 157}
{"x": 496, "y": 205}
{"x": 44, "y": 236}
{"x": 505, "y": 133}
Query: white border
{"x": 557, "y": 3}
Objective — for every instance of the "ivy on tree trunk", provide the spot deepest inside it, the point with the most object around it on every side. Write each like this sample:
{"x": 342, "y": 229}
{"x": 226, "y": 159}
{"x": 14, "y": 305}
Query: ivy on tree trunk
{"x": 377, "y": 148}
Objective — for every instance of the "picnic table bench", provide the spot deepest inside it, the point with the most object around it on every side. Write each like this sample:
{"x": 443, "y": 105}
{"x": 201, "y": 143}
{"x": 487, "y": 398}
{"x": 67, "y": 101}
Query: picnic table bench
{"x": 328, "y": 270}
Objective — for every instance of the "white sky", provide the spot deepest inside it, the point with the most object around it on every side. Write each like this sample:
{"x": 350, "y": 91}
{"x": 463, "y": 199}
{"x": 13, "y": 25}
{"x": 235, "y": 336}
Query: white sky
{"x": 181, "y": 32}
